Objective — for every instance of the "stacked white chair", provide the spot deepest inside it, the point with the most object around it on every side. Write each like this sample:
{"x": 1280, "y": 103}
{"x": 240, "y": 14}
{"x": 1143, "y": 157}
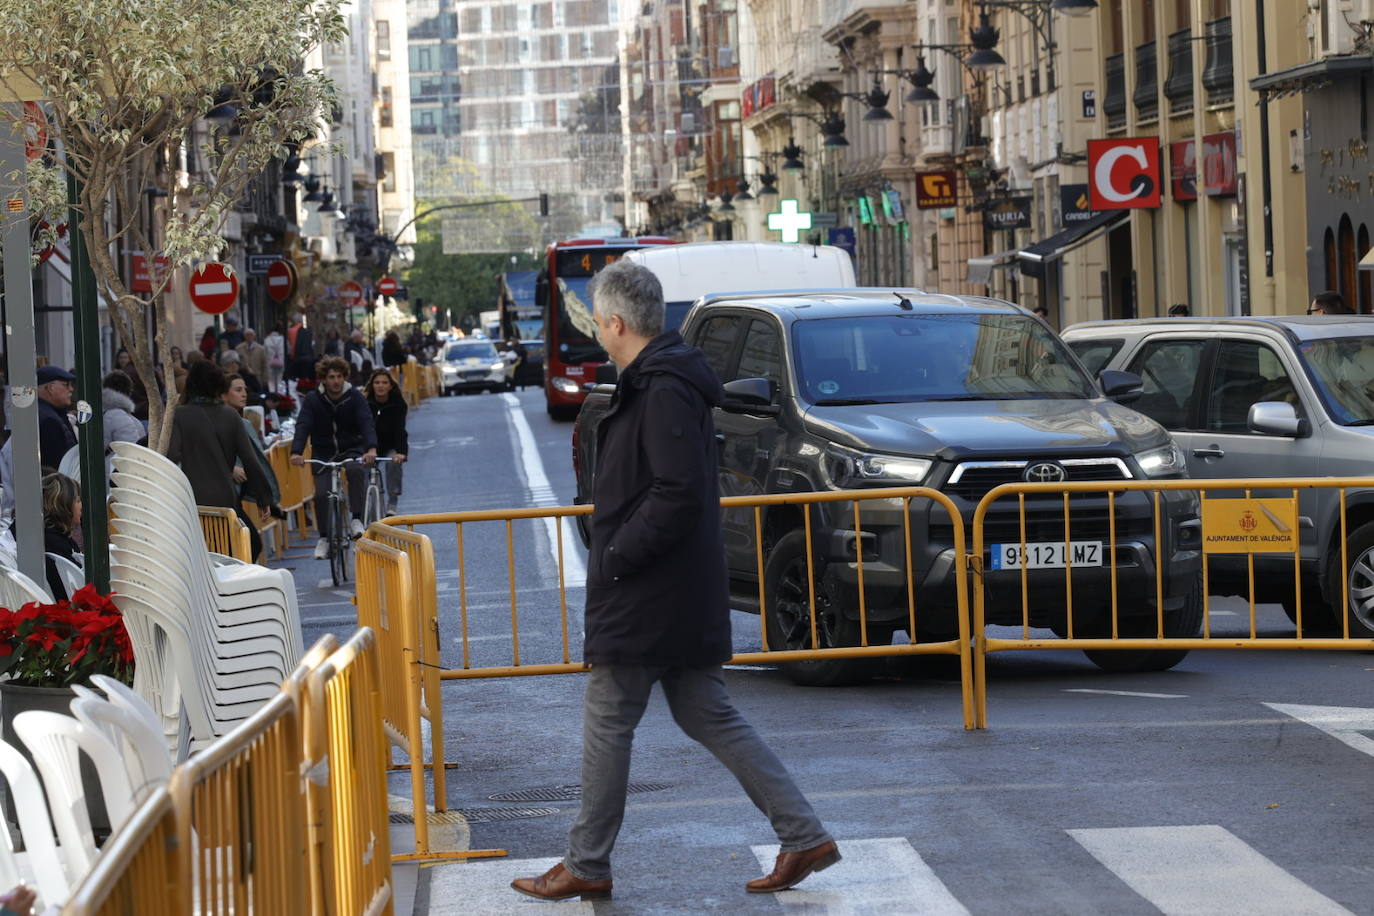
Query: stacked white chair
{"x": 220, "y": 637}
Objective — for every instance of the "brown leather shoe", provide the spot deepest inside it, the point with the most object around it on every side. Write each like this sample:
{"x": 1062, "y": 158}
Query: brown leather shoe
{"x": 792, "y": 868}
{"x": 559, "y": 884}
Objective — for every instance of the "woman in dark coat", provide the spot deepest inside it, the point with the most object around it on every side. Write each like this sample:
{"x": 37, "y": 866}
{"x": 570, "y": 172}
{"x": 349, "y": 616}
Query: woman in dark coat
{"x": 389, "y": 416}
{"x": 208, "y": 437}
{"x": 393, "y": 351}
{"x": 61, "y": 516}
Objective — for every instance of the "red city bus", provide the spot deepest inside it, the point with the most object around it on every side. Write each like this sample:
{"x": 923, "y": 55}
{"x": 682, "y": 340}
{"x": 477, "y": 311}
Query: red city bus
{"x": 571, "y": 352}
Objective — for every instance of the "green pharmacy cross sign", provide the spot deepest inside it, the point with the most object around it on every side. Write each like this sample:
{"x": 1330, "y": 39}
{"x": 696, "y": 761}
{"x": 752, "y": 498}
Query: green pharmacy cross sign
{"x": 789, "y": 221}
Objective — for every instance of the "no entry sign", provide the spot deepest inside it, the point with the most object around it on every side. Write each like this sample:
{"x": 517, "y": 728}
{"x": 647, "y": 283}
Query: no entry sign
{"x": 281, "y": 281}
{"x": 214, "y": 288}
{"x": 351, "y": 293}
{"x": 387, "y": 286}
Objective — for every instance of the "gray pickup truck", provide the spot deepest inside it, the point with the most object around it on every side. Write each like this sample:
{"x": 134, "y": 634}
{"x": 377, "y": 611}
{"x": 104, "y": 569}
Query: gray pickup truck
{"x": 855, "y": 389}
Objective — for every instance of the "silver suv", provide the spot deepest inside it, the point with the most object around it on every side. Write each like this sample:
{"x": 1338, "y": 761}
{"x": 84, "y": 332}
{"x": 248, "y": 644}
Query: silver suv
{"x": 1265, "y": 397}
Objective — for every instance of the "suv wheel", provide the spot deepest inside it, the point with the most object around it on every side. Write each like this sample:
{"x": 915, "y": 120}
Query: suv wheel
{"x": 1359, "y": 553}
{"x": 1186, "y": 621}
{"x": 1316, "y": 613}
{"x": 789, "y": 618}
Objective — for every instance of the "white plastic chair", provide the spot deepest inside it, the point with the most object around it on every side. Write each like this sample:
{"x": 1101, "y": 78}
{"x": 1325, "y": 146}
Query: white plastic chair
{"x": 44, "y": 862}
{"x": 72, "y": 576}
{"x": 142, "y": 748}
{"x": 124, "y": 696}
{"x": 17, "y": 590}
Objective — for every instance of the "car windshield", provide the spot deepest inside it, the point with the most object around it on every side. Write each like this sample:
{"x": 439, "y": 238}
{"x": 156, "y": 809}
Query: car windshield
{"x": 1343, "y": 370}
{"x": 945, "y": 357}
{"x": 484, "y": 350}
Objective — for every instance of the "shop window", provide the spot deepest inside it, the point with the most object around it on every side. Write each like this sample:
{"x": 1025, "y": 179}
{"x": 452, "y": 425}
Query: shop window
{"x": 1345, "y": 259}
{"x": 1366, "y": 277}
{"x": 1329, "y": 255}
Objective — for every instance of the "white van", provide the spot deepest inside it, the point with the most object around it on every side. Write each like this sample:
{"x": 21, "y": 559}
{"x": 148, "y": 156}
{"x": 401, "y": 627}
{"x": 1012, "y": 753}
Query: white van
{"x": 697, "y": 269}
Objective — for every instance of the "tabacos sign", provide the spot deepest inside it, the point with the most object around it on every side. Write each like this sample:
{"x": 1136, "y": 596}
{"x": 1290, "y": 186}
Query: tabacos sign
{"x": 1125, "y": 174}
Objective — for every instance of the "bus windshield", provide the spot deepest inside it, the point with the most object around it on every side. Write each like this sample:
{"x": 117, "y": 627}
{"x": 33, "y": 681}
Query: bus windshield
{"x": 576, "y": 328}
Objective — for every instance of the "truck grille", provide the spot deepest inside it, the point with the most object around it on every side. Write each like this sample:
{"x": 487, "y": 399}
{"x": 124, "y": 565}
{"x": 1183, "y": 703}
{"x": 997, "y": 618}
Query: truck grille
{"x": 972, "y": 480}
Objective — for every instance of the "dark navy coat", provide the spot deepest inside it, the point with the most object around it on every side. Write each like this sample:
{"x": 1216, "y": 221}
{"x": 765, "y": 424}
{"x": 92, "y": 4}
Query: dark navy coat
{"x": 657, "y": 591}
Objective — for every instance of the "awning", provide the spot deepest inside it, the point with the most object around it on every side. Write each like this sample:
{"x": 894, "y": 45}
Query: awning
{"x": 1367, "y": 262}
{"x": 1034, "y": 257}
{"x": 1312, "y": 74}
{"x": 980, "y": 269}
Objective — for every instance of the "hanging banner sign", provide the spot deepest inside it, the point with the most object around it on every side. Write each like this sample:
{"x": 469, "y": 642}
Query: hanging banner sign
{"x": 1125, "y": 174}
{"x": 1219, "y": 175}
{"x": 1183, "y": 170}
{"x": 1008, "y": 213}
{"x": 1075, "y": 204}
{"x": 936, "y": 189}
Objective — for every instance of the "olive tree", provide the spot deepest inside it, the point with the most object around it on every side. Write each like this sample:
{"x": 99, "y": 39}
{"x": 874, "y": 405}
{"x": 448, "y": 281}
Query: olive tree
{"x": 128, "y": 85}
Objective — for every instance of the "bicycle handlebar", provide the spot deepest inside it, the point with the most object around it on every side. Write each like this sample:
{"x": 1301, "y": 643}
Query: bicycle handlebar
{"x": 346, "y": 461}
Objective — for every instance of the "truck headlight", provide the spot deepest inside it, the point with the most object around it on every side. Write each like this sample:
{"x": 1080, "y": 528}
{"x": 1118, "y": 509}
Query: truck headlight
{"x": 565, "y": 385}
{"x": 863, "y": 469}
{"x": 1165, "y": 461}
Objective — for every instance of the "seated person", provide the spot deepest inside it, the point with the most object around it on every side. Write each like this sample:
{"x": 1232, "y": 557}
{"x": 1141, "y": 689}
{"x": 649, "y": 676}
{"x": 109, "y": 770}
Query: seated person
{"x": 61, "y": 517}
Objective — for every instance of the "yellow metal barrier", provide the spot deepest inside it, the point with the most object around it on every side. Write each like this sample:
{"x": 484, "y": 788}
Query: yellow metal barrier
{"x": 225, "y": 532}
{"x": 229, "y": 832}
{"x": 379, "y": 597}
{"x": 143, "y": 869}
{"x": 242, "y": 804}
{"x": 349, "y": 812}
{"x": 1277, "y": 514}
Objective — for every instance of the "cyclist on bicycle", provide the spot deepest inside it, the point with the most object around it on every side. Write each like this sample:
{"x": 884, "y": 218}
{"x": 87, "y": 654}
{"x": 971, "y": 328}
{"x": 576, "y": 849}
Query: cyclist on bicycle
{"x": 389, "y": 414}
{"x": 337, "y": 421}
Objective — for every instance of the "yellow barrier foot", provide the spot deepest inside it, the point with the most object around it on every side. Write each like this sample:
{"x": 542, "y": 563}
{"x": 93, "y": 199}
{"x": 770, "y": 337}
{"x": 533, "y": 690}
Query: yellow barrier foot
{"x": 428, "y": 766}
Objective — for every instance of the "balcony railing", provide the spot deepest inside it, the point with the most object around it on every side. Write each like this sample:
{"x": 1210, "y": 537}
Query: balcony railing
{"x": 1146, "y": 95}
{"x": 1178, "y": 88}
{"x": 1217, "y": 77}
{"x": 1114, "y": 105}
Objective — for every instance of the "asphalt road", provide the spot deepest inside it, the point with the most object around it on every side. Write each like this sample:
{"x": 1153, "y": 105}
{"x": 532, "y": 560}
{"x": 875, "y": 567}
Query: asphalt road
{"x": 1239, "y": 782}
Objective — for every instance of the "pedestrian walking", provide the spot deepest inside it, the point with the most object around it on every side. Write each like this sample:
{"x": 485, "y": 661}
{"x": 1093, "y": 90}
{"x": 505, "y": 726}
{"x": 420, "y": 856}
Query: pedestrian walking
{"x": 275, "y": 344}
{"x": 1329, "y": 303}
{"x": 389, "y": 417}
{"x": 236, "y": 397}
{"x": 253, "y": 355}
{"x": 657, "y": 609}
{"x": 232, "y": 334}
{"x": 119, "y": 422}
{"x": 393, "y": 351}
{"x": 208, "y": 438}
{"x": 55, "y": 433}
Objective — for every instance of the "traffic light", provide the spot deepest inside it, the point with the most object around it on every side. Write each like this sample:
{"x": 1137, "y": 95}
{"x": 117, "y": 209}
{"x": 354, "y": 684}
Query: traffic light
{"x": 543, "y": 204}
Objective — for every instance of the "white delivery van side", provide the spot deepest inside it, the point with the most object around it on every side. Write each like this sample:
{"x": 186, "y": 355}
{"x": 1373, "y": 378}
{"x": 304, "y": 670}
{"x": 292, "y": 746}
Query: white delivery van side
{"x": 697, "y": 269}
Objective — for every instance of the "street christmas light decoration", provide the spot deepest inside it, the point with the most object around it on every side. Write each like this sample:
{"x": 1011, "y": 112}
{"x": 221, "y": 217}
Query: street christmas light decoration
{"x": 128, "y": 85}
{"x": 742, "y": 190}
{"x": 921, "y": 80}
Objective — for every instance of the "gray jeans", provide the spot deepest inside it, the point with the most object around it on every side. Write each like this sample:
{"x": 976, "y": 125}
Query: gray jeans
{"x": 615, "y": 701}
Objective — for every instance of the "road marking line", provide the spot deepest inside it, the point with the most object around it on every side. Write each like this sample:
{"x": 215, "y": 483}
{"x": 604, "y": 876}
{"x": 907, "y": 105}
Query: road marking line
{"x": 1130, "y": 693}
{"x": 574, "y": 570}
{"x": 1344, "y": 723}
{"x": 1201, "y": 869}
{"x": 875, "y": 876}
{"x": 1223, "y": 613}
{"x": 482, "y": 888}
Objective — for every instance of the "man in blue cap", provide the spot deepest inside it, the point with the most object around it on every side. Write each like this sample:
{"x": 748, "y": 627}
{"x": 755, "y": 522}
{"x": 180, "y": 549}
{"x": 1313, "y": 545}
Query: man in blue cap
{"x": 55, "y": 434}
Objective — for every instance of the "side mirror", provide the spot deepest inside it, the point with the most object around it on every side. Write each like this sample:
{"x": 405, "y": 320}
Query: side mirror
{"x": 749, "y": 395}
{"x": 1277, "y": 418}
{"x": 1122, "y": 387}
{"x": 606, "y": 374}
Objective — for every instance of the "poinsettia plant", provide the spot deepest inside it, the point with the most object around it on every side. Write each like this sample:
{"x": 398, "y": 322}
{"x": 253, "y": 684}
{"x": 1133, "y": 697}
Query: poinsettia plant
{"x": 64, "y": 643}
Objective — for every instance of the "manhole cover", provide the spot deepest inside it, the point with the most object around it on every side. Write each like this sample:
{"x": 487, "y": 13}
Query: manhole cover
{"x": 568, "y": 793}
{"x": 478, "y": 815}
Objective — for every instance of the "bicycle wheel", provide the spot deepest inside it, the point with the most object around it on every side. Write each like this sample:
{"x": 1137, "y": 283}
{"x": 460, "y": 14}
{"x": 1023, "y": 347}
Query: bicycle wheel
{"x": 372, "y": 502}
{"x": 338, "y": 560}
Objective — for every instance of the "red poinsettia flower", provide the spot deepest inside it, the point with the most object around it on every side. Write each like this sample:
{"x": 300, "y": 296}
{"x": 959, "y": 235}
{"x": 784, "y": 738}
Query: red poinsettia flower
{"x": 53, "y": 645}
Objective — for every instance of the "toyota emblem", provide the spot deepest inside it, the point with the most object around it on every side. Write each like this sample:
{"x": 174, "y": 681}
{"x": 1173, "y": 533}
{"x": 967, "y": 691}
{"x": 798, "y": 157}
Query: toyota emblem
{"x": 1044, "y": 472}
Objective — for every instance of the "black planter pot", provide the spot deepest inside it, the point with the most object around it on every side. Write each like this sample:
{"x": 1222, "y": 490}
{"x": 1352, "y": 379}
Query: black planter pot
{"x": 15, "y": 699}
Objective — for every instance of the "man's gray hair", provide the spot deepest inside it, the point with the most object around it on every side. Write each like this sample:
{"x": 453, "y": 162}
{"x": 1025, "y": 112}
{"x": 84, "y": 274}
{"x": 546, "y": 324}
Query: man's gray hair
{"x": 633, "y": 292}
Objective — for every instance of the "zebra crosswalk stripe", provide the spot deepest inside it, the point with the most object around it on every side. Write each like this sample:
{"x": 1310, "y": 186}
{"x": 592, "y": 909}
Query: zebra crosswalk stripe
{"x": 482, "y": 888}
{"x": 1202, "y": 869}
{"x": 874, "y": 876}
